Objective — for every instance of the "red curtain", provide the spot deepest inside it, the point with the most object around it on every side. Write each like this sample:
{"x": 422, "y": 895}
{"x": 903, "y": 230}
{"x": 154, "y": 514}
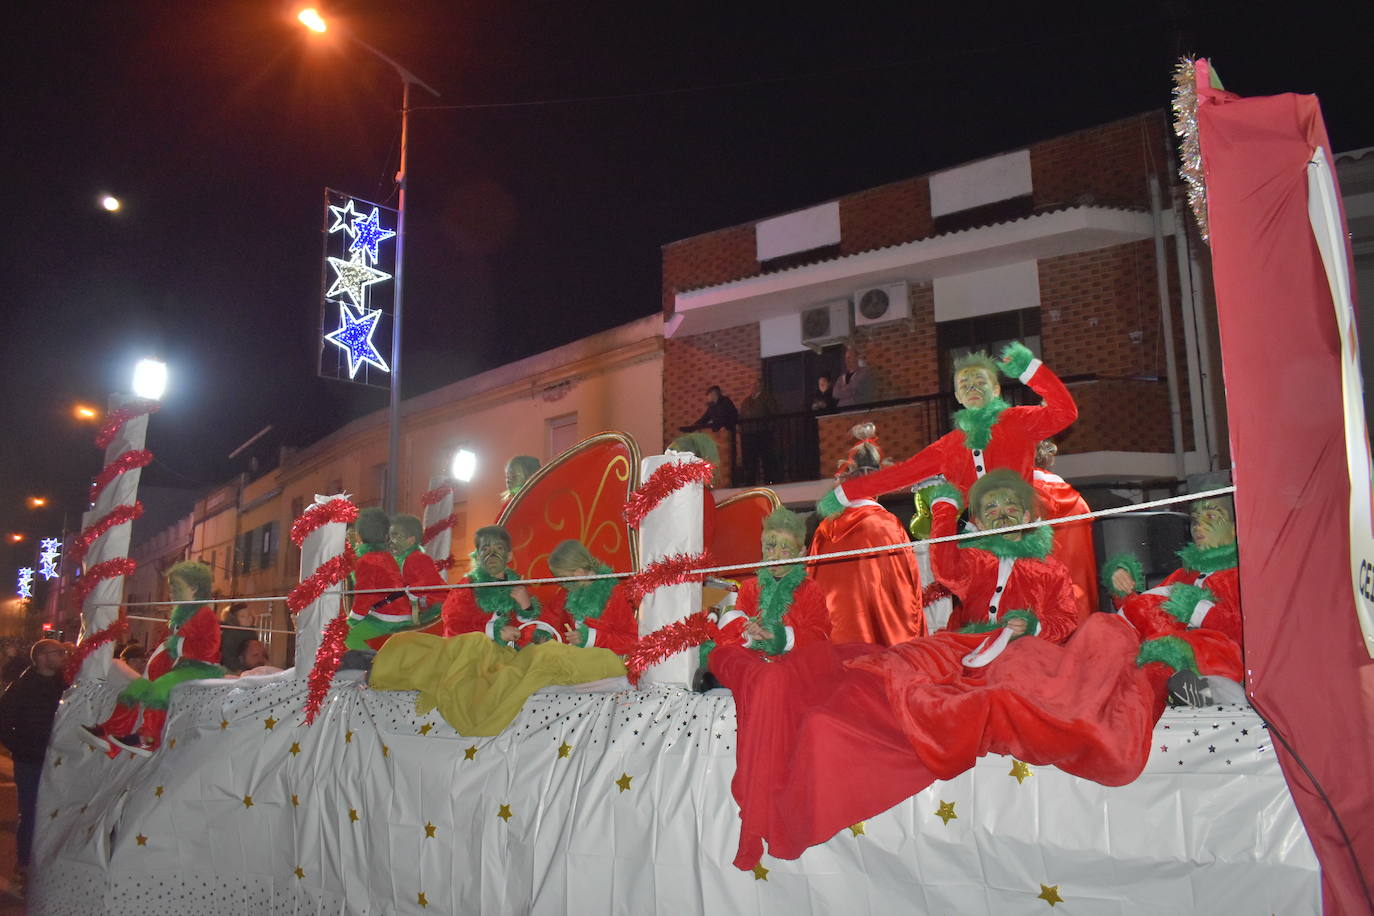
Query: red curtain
{"x": 1309, "y": 674}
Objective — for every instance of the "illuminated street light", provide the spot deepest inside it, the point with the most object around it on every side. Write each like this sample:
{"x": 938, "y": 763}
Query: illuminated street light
{"x": 311, "y": 19}
{"x": 464, "y": 465}
{"x": 16, "y": 537}
{"x": 37, "y": 502}
{"x": 85, "y": 412}
{"x": 150, "y": 379}
{"x": 110, "y": 203}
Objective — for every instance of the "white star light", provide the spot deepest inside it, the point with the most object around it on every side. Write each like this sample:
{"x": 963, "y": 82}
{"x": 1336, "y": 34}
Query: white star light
{"x": 344, "y": 218}
{"x": 354, "y": 336}
{"x": 26, "y": 582}
{"x": 49, "y": 549}
{"x": 352, "y": 277}
{"x": 368, "y": 234}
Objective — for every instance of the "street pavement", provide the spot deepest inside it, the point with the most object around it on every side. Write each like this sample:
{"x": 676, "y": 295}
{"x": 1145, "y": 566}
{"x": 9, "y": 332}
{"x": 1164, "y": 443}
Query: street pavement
{"x": 11, "y": 903}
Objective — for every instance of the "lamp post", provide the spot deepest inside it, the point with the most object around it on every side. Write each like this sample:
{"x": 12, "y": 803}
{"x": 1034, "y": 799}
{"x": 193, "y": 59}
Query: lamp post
{"x": 313, "y": 20}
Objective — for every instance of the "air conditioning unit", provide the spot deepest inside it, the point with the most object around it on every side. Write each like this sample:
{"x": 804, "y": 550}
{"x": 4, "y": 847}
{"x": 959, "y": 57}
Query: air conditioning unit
{"x": 826, "y": 324}
{"x": 882, "y": 304}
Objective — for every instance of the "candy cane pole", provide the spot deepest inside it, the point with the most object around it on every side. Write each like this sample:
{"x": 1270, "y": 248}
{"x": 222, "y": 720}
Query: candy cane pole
{"x": 672, "y": 528}
{"x": 439, "y": 520}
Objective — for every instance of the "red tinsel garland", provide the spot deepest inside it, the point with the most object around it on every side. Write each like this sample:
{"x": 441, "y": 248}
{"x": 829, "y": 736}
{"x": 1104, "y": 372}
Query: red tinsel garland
{"x": 433, "y": 496}
{"x": 333, "y": 570}
{"x": 668, "y": 479}
{"x": 327, "y": 659}
{"x": 933, "y": 593}
{"x": 317, "y": 516}
{"x": 117, "y": 516}
{"x": 115, "y": 421}
{"x": 438, "y": 527}
{"x": 91, "y": 643}
{"x": 125, "y": 462}
{"x": 667, "y": 641}
{"x": 445, "y": 564}
{"x": 110, "y": 569}
{"x": 671, "y": 570}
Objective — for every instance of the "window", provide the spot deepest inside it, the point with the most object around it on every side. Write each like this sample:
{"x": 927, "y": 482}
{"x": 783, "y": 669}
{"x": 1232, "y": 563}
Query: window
{"x": 561, "y": 433}
{"x": 268, "y": 549}
{"x": 792, "y": 377}
{"x": 985, "y": 332}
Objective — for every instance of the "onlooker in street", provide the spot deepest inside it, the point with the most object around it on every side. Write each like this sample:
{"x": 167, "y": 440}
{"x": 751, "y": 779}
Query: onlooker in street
{"x": 135, "y": 656}
{"x": 720, "y": 412}
{"x": 856, "y": 383}
{"x": 26, "y": 715}
{"x": 252, "y": 654}
{"x": 236, "y": 628}
{"x": 758, "y": 444}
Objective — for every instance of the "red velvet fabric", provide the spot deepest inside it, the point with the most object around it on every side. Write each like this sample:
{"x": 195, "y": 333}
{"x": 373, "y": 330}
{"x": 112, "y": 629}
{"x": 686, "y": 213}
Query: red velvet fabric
{"x": 808, "y": 615}
{"x": 378, "y": 569}
{"x": 420, "y": 570}
{"x": 200, "y": 636}
{"x": 1073, "y": 541}
{"x": 876, "y": 598}
{"x": 616, "y": 628}
{"x": 1217, "y": 642}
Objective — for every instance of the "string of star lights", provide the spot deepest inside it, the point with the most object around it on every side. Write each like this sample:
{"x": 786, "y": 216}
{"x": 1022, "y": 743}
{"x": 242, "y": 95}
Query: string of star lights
{"x": 360, "y": 282}
{"x": 368, "y": 234}
{"x": 351, "y": 278}
{"x": 354, "y": 337}
{"x": 49, "y": 550}
{"x": 26, "y": 582}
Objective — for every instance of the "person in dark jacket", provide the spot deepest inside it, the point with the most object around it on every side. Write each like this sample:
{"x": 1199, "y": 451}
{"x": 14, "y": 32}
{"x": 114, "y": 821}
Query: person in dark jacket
{"x": 27, "y": 711}
{"x": 720, "y": 413}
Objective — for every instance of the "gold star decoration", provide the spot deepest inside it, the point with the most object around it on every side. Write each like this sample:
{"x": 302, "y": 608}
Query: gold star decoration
{"x": 141, "y": 840}
{"x": 505, "y": 813}
{"x": 946, "y": 812}
{"x": 858, "y": 829}
{"x": 348, "y": 736}
{"x": 353, "y": 814}
{"x": 1020, "y": 770}
{"x": 172, "y": 743}
{"x": 300, "y": 872}
{"x": 420, "y": 899}
{"x": 1050, "y": 894}
{"x": 158, "y": 792}
{"x": 57, "y": 763}
{"x": 624, "y": 782}
{"x": 424, "y": 729}
{"x": 295, "y": 748}
{"x": 223, "y": 724}
{"x": 386, "y": 751}
{"x": 429, "y": 830}
{"x": 295, "y": 801}
{"x": 270, "y": 722}
{"x": 564, "y": 750}
{"x": 247, "y": 801}
{"x": 470, "y": 753}
{"x": 760, "y": 873}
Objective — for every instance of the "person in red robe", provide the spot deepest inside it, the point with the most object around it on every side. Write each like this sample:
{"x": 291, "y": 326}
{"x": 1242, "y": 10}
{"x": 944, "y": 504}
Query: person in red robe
{"x": 928, "y": 708}
{"x": 375, "y": 613}
{"x": 502, "y": 612}
{"x": 593, "y": 613}
{"x": 988, "y": 433}
{"x": 1199, "y": 602}
{"x": 874, "y": 598}
{"x": 1073, "y": 541}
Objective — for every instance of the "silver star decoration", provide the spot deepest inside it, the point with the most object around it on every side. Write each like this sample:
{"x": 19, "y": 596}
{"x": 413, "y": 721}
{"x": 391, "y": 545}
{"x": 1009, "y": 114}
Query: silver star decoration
{"x": 343, "y": 218}
{"x": 352, "y": 277}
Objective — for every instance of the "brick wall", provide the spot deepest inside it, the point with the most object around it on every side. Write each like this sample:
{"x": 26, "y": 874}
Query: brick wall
{"x": 717, "y": 257}
{"x": 728, "y": 358}
{"x": 1103, "y": 165}
{"x": 888, "y": 215}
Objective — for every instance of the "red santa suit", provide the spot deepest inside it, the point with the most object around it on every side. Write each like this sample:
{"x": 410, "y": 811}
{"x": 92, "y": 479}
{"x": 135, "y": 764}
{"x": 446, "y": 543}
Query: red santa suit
{"x": 419, "y": 571}
{"x": 1014, "y": 436}
{"x": 376, "y": 568}
{"x": 806, "y": 619}
{"x": 1073, "y": 541}
{"x": 490, "y": 610}
{"x": 875, "y": 598}
{"x": 1199, "y": 606}
{"x": 611, "y": 626}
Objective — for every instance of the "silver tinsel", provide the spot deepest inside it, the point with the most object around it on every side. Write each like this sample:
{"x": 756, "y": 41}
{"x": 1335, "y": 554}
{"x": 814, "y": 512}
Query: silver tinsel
{"x": 1185, "y": 125}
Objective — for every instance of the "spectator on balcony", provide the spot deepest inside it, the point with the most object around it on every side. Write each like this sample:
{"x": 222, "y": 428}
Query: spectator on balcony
{"x": 758, "y": 439}
{"x": 823, "y": 398}
{"x": 720, "y": 413}
{"x": 856, "y": 384}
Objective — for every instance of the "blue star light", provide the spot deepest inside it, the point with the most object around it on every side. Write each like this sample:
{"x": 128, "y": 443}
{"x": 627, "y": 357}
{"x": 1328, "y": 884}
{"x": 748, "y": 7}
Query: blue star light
{"x": 26, "y": 582}
{"x": 354, "y": 336}
{"x": 49, "y": 549}
{"x": 368, "y": 234}
{"x": 344, "y": 219}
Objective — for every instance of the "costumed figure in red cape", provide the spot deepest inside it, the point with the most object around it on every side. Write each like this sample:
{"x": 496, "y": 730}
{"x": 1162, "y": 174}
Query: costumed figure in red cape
{"x": 1199, "y": 603}
{"x": 988, "y": 433}
{"x": 831, "y": 735}
{"x": 190, "y": 652}
{"x": 507, "y": 614}
{"x": 593, "y": 612}
{"x": 874, "y": 598}
{"x": 1073, "y": 541}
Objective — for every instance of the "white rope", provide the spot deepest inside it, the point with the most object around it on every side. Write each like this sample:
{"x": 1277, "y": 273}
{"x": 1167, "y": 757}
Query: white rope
{"x": 761, "y": 564}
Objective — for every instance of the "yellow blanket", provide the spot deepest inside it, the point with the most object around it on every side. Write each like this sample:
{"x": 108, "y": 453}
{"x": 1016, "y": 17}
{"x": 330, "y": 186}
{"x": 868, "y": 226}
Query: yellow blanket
{"x": 477, "y": 685}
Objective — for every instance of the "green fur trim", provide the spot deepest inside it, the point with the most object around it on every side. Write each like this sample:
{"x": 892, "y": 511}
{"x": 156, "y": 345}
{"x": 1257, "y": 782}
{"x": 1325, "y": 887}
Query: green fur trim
{"x": 1035, "y": 544}
{"x": 157, "y": 694}
{"x": 589, "y": 601}
{"x": 1016, "y": 359}
{"x": 401, "y": 557}
{"x": 1170, "y": 650}
{"x": 775, "y": 597}
{"x": 498, "y": 602}
{"x": 986, "y": 626}
{"x": 829, "y": 505}
{"x": 1129, "y": 562}
{"x": 365, "y": 548}
{"x": 944, "y": 491}
{"x": 976, "y": 423}
{"x": 1183, "y": 600}
{"x": 1209, "y": 559}
{"x": 1032, "y": 622}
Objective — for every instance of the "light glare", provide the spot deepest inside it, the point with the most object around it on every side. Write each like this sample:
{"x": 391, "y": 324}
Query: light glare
{"x": 150, "y": 379}
{"x": 82, "y": 412}
{"x": 464, "y": 465}
{"x": 311, "y": 19}
{"x": 110, "y": 203}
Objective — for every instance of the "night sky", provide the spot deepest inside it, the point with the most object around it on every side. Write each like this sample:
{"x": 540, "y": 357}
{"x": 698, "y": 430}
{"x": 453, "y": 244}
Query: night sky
{"x": 220, "y": 123}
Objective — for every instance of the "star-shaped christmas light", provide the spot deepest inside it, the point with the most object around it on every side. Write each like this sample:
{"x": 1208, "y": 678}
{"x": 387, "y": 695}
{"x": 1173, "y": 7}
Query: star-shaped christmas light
{"x": 624, "y": 782}
{"x": 946, "y": 812}
{"x": 49, "y": 549}
{"x": 354, "y": 337}
{"x": 564, "y": 750}
{"x": 1020, "y": 770}
{"x": 351, "y": 278}
{"x": 1050, "y": 894}
{"x": 505, "y": 813}
{"x": 760, "y": 873}
{"x": 368, "y": 234}
{"x": 345, "y": 219}
{"x": 26, "y": 582}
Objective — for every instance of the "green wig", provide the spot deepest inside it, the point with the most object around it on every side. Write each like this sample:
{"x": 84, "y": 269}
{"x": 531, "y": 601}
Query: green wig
{"x": 977, "y": 359}
{"x": 699, "y": 444}
{"x": 1003, "y": 479}
{"x": 783, "y": 519}
{"x": 195, "y": 574}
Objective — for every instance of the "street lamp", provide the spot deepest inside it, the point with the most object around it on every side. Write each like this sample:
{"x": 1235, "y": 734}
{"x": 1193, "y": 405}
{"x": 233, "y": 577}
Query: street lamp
{"x": 313, "y": 20}
{"x": 464, "y": 465}
{"x": 150, "y": 379}
{"x": 37, "y": 502}
{"x": 85, "y": 412}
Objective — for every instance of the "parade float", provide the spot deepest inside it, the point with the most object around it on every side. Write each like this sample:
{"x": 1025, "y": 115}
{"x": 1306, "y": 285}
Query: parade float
{"x": 310, "y": 792}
